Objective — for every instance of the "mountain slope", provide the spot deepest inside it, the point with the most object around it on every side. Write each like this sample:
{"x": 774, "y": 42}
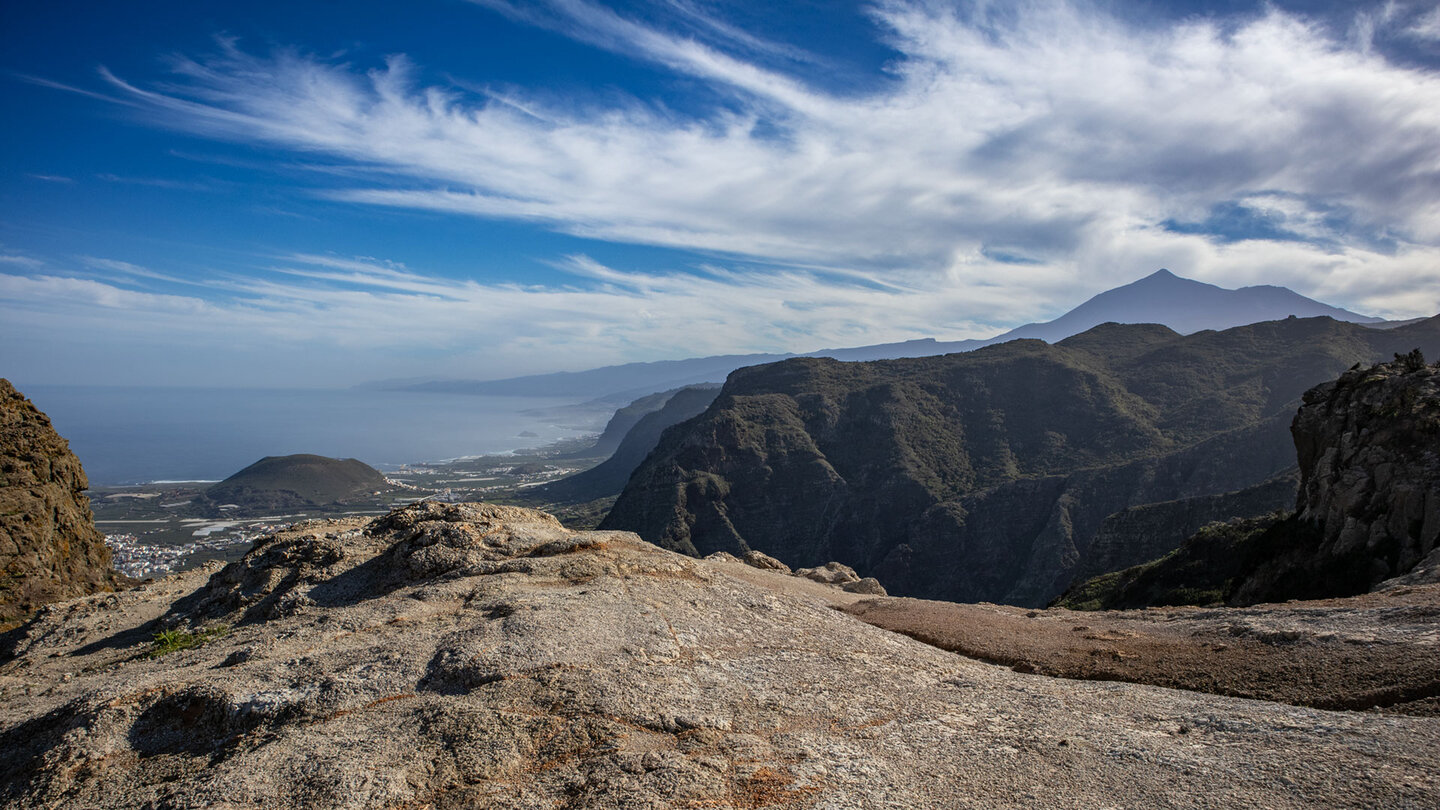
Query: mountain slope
{"x": 985, "y": 475}
{"x": 609, "y": 476}
{"x": 301, "y": 480}
{"x": 1368, "y": 508}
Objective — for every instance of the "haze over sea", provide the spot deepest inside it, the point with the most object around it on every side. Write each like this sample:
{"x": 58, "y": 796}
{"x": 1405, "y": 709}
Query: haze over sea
{"x": 131, "y": 435}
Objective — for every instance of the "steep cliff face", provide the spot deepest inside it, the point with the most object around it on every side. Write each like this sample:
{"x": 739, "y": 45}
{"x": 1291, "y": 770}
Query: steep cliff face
{"x": 1368, "y": 509}
{"x": 49, "y": 547}
{"x": 984, "y": 476}
{"x": 1369, "y": 452}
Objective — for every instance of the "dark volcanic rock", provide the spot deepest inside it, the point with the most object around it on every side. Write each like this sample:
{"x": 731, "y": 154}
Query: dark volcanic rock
{"x": 1368, "y": 510}
{"x": 985, "y": 476}
{"x": 49, "y": 547}
{"x": 298, "y": 482}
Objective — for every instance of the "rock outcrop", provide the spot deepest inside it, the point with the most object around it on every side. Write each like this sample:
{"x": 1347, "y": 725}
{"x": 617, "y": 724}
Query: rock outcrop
{"x": 1369, "y": 451}
{"x": 986, "y": 476}
{"x": 1367, "y": 513}
{"x": 454, "y": 656}
{"x": 49, "y": 546}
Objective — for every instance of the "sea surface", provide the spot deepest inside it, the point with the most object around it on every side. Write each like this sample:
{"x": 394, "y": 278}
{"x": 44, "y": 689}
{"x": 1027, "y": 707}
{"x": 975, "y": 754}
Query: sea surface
{"x": 132, "y": 435}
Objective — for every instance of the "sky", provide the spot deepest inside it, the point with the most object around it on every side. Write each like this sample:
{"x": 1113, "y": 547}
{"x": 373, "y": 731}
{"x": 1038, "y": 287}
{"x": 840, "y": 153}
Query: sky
{"x": 324, "y": 193}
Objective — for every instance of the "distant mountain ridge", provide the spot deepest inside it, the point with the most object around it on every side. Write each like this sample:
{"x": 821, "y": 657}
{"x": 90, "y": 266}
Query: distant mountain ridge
{"x": 609, "y": 477}
{"x": 1185, "y": 305}
{"x": 1182, "y": 304}
{"x": 985, "y": 476}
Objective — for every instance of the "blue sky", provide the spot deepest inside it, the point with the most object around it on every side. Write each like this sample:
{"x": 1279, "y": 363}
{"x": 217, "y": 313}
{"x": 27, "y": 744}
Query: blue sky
{"x": 328, "y": 192}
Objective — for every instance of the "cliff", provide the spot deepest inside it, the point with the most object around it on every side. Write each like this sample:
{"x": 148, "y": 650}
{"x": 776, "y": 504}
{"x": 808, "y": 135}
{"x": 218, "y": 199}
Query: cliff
{"x": 1367, "y": 513}
{"x": 49, "y": 547}
{"x": 985, "y": 476}
{"x": 470, "y": 655}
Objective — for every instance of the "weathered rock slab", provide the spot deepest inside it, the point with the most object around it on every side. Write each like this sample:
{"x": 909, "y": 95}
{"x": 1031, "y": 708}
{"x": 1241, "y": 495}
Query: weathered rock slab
{"x": 467, "y": 655}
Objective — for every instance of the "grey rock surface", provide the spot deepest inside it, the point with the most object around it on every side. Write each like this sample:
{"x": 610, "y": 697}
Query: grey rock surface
{"x": 759, "y": 559}
{"x": 832, "y": 573}
{"x": 473, "y": 655}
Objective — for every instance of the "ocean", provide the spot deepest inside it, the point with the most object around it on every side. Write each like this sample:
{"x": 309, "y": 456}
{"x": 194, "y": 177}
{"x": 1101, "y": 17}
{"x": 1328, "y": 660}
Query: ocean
{"x": 133, "y": 435}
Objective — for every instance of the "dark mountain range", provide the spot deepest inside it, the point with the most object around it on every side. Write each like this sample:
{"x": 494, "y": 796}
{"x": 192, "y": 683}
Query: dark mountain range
{"x": 1368, "y": 509}
{"x": 49, "y": 546}
{"x": 985, "y": 475}
{"x": 297, "y": 481}
{"x": 1184, "y": 305}
{"x": 609, "y": 477}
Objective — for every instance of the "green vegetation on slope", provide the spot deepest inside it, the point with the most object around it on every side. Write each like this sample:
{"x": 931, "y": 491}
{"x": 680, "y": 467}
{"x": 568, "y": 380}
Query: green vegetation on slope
{"x": 1369, "y": 506}
{"x": 985, "y": 475}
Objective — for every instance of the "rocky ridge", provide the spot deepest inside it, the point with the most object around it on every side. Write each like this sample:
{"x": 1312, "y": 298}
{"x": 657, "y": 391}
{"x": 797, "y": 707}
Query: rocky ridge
{"x": 49, "y": 547}
{"x": 986, "y": 476}
{"x": 469, "y": 655}
{"x": 1369, "y": 452}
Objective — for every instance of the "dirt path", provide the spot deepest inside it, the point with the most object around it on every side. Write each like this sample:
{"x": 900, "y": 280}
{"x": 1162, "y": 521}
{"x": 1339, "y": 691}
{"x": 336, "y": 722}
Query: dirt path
{"x": 1376, "y": 651}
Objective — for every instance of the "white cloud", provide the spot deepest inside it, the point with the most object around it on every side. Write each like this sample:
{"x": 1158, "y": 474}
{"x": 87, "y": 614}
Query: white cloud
{"x": 1051, "y": 133}
{"x": 326, "y": 319}
{"x": 1426, "y": 26}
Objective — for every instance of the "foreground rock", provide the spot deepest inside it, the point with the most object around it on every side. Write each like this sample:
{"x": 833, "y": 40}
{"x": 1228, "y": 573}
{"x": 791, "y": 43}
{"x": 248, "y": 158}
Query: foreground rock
{"x": 479, "y": 656}
{"x": 49, "y": 547}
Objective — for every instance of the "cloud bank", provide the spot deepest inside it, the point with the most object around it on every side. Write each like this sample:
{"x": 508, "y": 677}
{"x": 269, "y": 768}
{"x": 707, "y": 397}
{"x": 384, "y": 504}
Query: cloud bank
{"x": 1019, "y": 158}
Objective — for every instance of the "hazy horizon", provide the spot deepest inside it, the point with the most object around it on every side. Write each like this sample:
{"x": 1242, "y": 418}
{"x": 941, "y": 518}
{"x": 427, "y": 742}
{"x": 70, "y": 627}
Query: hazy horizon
{"x": 307, "y": 195}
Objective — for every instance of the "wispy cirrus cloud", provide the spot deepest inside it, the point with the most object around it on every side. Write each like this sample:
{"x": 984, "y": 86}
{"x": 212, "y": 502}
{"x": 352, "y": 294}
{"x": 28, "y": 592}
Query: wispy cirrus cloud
{"x": 1051, "y": 133}
{"x": 330, "y": 319}
{"x": 1018, "y": 158}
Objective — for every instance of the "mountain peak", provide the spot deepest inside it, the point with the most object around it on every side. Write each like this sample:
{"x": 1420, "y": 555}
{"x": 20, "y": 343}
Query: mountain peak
{"x": 1183, "y": 304}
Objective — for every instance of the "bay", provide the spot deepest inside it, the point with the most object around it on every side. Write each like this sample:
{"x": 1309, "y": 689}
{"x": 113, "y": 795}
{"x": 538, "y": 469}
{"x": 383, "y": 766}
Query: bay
{"x": 132, "y": 435}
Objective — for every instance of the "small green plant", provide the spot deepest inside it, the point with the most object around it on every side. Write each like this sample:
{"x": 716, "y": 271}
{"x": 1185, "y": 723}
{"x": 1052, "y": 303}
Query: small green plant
{"x": 1413, "y": 361}
{"x": 168, "y": 641}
